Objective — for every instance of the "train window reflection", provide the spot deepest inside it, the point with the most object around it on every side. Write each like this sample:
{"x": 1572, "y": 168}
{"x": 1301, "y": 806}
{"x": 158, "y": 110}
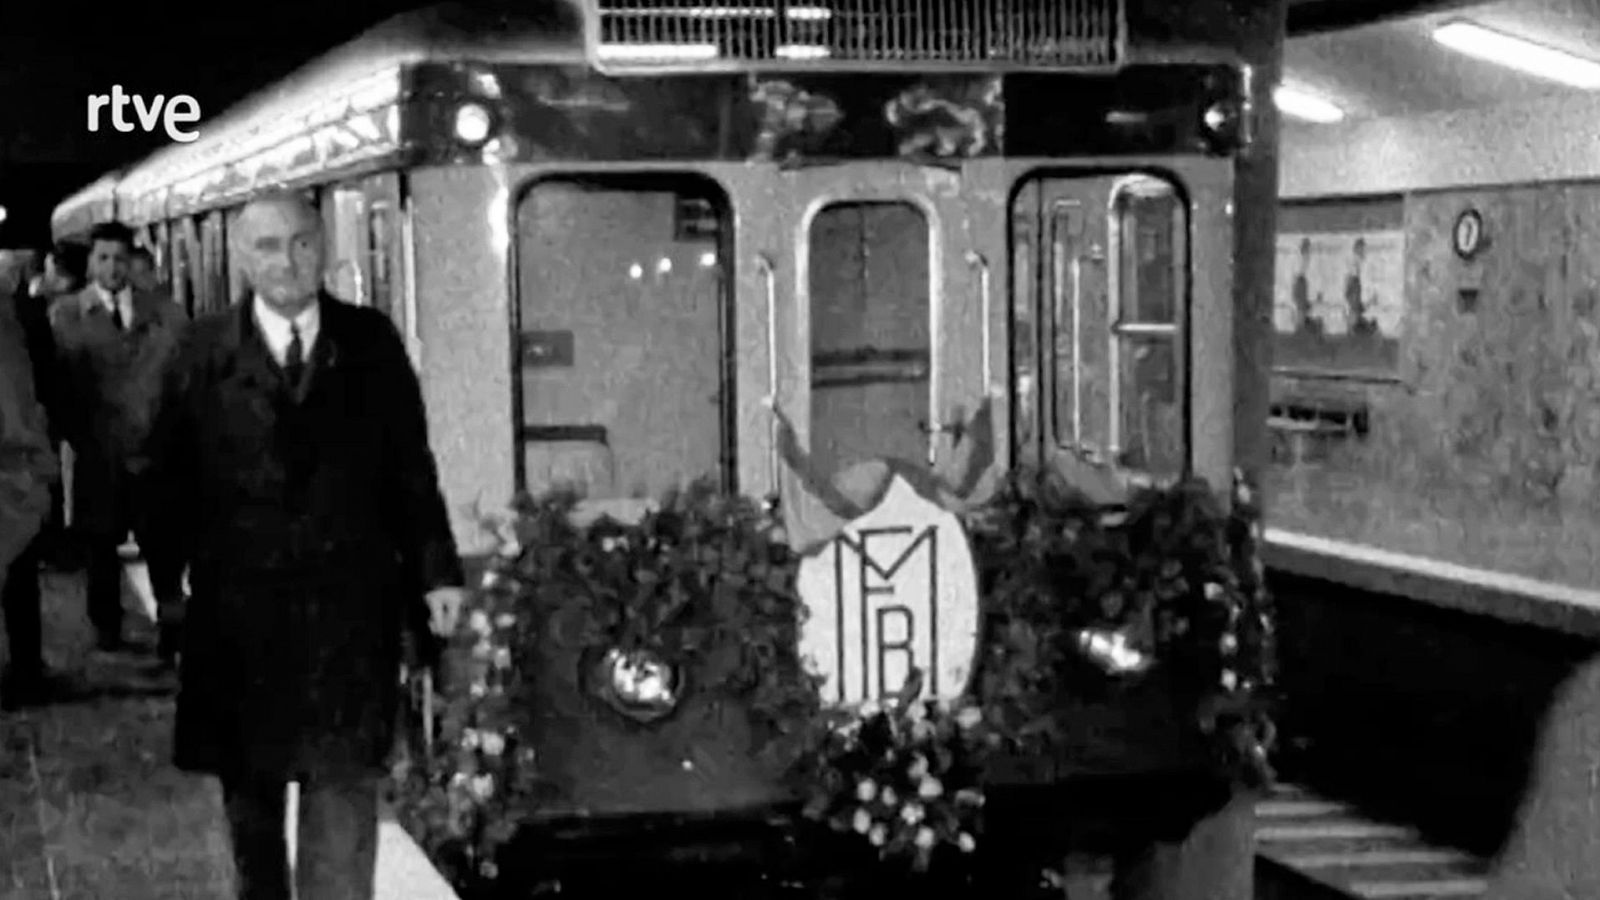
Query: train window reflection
{"x": 621, "y": 363}
{"x": 868, "y": 274}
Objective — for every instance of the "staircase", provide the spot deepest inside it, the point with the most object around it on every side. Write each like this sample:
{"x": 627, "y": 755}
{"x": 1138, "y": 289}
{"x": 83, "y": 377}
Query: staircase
{"x": 1338, "y": 853}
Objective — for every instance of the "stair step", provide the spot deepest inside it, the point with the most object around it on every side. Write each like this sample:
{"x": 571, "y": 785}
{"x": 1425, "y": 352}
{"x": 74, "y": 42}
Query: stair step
{"x": 1332, "y": 843}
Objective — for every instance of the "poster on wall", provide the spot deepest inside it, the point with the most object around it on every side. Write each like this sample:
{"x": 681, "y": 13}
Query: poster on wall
{"x": 1339, "y": 301}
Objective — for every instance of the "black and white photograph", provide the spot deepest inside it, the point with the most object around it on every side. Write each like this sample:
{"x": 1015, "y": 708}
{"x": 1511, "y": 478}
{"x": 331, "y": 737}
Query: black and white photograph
{"x": 800, "y": 450}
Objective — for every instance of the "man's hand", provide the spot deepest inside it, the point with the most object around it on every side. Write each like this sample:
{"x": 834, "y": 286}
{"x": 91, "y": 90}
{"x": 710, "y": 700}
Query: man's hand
{"x": 444, "y": 609}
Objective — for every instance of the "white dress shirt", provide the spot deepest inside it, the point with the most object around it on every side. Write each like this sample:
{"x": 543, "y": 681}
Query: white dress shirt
{"x": 275, "y": 329}
{"x": 121, "y": 302}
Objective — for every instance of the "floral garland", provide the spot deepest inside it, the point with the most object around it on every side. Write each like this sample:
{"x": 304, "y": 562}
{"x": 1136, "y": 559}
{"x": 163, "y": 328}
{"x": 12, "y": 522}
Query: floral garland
{"x": 907, "y": 776}
{"x": 1073, "y": 604}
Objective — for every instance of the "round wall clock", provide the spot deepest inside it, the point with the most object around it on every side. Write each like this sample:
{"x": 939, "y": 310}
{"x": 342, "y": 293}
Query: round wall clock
{"x": 1468, "y": 234}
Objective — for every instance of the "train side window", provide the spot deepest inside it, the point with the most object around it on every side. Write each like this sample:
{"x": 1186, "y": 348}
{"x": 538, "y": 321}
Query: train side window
{"x": 870, "y": 299}
{"x": 380, "y": 256}
{"x": 185, "y": 265}
{"x": 1149, "y": 284}
{"x": 213, "y": 272}
{"x": 162, "y": 249}
{"x": 345, "y": 220}
{"x": 238, "y": 284}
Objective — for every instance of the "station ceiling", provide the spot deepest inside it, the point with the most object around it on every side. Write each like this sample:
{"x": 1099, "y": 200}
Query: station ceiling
{"x": 1391, "y": 66}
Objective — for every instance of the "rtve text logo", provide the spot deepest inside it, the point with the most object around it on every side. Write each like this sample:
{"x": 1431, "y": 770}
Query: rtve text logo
{"x": 163, "y": 111}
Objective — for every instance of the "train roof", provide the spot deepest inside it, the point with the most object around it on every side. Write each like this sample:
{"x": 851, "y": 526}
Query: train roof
{"x": 86, "y": 206}
{"x": 364, "y": 70}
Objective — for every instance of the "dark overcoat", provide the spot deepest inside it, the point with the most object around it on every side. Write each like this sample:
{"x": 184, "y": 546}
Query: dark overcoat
{"x": 105, "y": 396}
{"x": 311, "y": 520}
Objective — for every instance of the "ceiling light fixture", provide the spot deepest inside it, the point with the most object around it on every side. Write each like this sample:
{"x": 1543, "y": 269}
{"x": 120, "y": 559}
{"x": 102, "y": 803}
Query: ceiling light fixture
{"x": 1302, "y": 105}
{"x": 1516, "y": 53}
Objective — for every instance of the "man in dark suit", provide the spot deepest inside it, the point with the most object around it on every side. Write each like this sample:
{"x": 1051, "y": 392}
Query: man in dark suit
{"x": 113, "y": 342}
{"x": 296, "y": 482}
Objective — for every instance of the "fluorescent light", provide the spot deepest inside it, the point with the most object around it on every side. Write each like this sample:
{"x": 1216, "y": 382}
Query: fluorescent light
{"x": 802, "y": 51}
{"x": 1301, "y": 105}
{"x": 1516, "y": 53}
{"x": 658, "y": 53}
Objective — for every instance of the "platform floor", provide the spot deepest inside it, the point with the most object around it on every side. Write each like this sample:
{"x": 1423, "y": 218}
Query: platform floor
{"x": 90, "y": 807}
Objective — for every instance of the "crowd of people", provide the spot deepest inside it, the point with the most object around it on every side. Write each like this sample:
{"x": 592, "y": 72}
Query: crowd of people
{"x": 288, "y": 539}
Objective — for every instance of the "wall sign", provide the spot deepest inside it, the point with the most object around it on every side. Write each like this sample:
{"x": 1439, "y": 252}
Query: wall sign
{"x": 1467, "y": 236}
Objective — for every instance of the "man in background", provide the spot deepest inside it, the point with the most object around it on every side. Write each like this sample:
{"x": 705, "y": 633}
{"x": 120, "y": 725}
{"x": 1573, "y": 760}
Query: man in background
{"x": 113, "y": 342}
{"x": 142, "y": 272}
{"x": 27, "y": 467}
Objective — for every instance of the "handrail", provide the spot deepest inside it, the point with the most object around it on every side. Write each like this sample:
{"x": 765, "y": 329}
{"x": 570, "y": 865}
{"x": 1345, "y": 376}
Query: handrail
{"x": 769, "y": 272}
{"x": 985, "y": 309}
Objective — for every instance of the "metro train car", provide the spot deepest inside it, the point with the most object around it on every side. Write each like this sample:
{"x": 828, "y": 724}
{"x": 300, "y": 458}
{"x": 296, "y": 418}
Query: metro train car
{"x": 614, "y": 234}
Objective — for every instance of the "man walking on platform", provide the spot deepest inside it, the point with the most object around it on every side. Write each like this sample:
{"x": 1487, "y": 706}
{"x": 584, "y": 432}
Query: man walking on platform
{"x": 295, "y": 479}
{"x": 113, "y": 342}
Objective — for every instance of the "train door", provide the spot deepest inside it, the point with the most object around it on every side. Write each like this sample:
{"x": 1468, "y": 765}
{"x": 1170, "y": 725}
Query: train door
{"x": 892, "y": 330}
{"x": 1121, "y": 310}
{"x": 622, "y": 312}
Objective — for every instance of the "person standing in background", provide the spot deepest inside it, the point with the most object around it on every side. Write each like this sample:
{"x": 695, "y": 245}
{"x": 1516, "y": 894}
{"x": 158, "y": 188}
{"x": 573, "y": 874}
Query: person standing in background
{"x": 292, "y": 475}
{"x": 142, "y": 272}
{"x": 27, "y": 467}
{"x": 113, "y": 343}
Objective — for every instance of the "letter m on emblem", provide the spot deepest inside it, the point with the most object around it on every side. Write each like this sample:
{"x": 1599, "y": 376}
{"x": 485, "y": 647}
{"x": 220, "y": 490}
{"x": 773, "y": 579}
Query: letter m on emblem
{"x": 886, "y": 616}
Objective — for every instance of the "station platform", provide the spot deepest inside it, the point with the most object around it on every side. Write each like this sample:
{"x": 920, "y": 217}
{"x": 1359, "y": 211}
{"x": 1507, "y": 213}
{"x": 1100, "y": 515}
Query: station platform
{"x": 1509, "y": 598}
{"x": 91, "y": 807}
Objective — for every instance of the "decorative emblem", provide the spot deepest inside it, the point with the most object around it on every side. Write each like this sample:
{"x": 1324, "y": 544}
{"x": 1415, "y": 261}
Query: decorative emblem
{"x": 1467, "y": 236}
{"x": 894, "y": 592}
{"x": 887, "y": 578}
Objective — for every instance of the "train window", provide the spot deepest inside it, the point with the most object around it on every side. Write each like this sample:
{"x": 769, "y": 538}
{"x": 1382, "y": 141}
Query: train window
{"x": 1149, "y": 250}
{"x": 163, "y": 252}
{"x": 622, "y": 291}
{"x": 238, "y": 283}
{"x": 345, "y": 220}
{"x": 870, "y": 299}
{"x": 186, "y": 265}
{"x": 1115, "y": 284}
{"x": 213, "y": 272}
{"x": 380, "y": 256}
{"x": 1080, "y": 316}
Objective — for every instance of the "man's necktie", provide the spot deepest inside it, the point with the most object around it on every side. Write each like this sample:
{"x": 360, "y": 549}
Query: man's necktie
{"x": 116, "y": 314}
{"x": 294, "y": 359}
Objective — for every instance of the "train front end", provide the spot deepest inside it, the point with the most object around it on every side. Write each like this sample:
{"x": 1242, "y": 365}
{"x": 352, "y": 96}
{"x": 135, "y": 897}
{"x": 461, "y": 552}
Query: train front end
{"x": 752, "y": 243}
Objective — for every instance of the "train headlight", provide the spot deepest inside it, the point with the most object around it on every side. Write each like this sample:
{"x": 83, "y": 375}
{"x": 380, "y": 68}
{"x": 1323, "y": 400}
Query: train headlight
{"x": 473, "y": 123}
{"x": 1225, "y": 125}
{"x": 639, "y": 684}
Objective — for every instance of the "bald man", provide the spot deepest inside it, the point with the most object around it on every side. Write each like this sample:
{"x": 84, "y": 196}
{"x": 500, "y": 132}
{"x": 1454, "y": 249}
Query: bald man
{"x": 298, "y": 486}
